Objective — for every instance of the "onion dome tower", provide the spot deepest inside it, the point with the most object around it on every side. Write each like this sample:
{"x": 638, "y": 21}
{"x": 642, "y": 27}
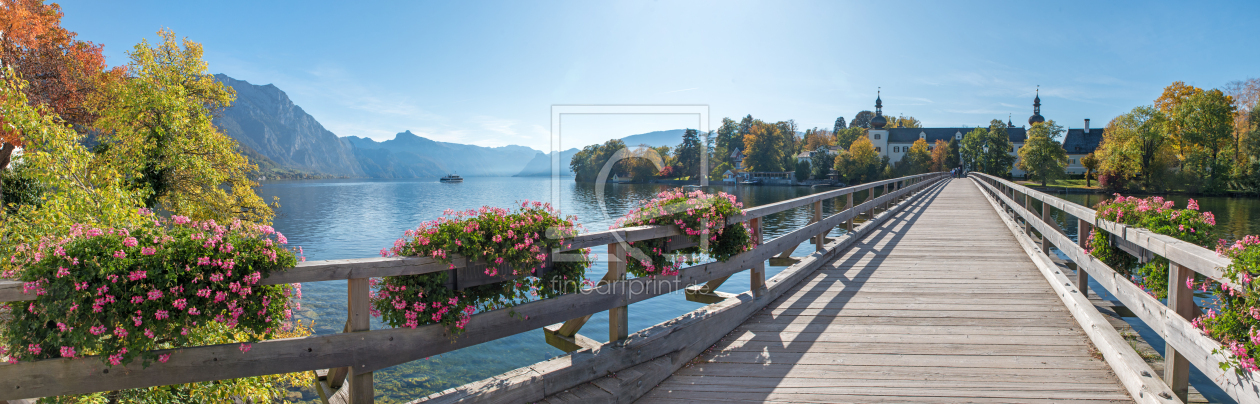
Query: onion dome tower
{"x": 1009, "y": 123}
{"x": 878, "y": 121}
{"x": 1036, "y": 116}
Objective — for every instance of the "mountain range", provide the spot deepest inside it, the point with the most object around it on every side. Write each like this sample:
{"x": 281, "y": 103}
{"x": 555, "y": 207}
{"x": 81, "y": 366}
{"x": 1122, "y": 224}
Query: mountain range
{"x": 286, "y": 142}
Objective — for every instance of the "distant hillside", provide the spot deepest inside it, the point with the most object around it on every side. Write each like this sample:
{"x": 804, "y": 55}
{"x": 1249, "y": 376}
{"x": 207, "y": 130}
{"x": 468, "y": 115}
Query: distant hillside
{"x": 411, "y": 156}
{"x": 540, "y": 166}
{"x": 659, "y": 138}
{"x": 286, "y": 142}
{"x": 265, "y": 122}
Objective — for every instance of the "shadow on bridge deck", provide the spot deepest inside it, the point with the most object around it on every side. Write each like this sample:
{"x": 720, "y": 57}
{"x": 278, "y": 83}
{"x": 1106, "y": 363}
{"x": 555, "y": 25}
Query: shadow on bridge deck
{"x": 939, "y": 304}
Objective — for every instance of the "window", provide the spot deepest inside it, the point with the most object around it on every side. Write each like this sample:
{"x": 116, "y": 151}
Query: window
{"x": 877, "y": 150}
{"x": 896, "y": 149}
{"x": 876, "y": 136}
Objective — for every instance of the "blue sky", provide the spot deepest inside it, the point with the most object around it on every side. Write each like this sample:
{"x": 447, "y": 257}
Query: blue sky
{"x": 487, "y": 73}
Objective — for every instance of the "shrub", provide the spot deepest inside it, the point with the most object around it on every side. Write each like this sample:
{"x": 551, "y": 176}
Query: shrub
{"x": 700, "y": 216}
{"x": 520, "y": 240}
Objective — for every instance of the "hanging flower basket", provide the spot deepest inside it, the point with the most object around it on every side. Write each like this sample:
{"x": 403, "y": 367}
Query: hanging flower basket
{"x": 498, "y": 258}
{"x": 121, "y": 293}
{"x": 700, "y": 216}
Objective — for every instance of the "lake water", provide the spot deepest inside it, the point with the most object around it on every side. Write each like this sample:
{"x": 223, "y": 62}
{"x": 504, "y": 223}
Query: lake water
{"x": 337, "y": 219}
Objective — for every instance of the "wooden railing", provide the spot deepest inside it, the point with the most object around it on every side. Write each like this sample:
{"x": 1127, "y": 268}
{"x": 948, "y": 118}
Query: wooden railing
{"x": 355, "y": 354}
{"x": 1186, "y": 345}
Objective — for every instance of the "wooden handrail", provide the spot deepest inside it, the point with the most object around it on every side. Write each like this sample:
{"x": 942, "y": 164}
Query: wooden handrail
{"x": 1194, "y": 257}
{"x": 366, "y": 351}
{"x": 1186, "y": 344}
{"x": 342, "y": 269}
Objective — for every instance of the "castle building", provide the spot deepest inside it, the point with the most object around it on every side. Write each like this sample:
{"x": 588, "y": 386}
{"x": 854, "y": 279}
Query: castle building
{"x": 895, "y": 142}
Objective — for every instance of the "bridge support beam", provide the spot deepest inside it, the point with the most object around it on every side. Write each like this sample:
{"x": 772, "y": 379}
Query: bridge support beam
{"x": 757, "y": 274}
{"x": 1045, "y": 218}
{"x": 1180, "y": 301}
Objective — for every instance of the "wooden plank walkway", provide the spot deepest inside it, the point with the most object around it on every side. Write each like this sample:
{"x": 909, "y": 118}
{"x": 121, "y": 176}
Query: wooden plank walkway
{"x": 940, "y": 304}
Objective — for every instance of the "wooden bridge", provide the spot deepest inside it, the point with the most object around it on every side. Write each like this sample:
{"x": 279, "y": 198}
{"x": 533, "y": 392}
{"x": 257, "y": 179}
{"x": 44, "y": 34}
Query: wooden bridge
{"x": 941, "y": 290}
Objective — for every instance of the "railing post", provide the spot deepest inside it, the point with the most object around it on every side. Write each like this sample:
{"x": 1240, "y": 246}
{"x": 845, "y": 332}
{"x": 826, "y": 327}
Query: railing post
{"x": 821, "y": 237}
{"x": 359, "y": 383}
{"x": 1082, "y": 239}
{"x": 1180, "y": 301}
{"x": 618, "y": 317}
{"x": 757, "y": 274}
{"x": 1027, "y": 206}
{"x": 848, "y": 206}
{"x": 1045, "y": 218}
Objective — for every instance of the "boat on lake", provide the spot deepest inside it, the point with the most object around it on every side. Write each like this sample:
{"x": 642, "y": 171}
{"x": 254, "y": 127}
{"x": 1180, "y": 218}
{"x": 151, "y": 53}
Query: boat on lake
{"x": 452, "y": 178}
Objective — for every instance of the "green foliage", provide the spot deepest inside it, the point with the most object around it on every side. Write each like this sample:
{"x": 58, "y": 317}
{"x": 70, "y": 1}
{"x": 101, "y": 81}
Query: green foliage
{"x": 719, "y": 170}
{"x": 998, "y": 159}
{"x": 1137, "y": 145}
{"x": 19, "y": 190}
{"x": 1205, "y": 125}
{"x": 846, "y": 137}
{"x": 1042, "y": 157}
{"x": 701, "y": 216}
{"x": 516, "y": 242}
{"x": 157, "y": 126}
{"x": 802, "y": 170}
{"x": 918, "y": 160}
{"x": 862, "y": 120}
{"x": 861, "y": 163}
{"x": 973, "y": 148}
{"x": 588, "y": 162}
{"x": 821, "y": 163}
{"x": 839, "y": 126}
{"x": 687, "y": 154}
{"x": 952, "y": 158}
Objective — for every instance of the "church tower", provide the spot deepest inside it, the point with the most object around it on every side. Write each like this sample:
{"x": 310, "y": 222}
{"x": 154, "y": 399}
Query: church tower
{"x": 1036, "y": 116}
{"x": 877, "y": 133}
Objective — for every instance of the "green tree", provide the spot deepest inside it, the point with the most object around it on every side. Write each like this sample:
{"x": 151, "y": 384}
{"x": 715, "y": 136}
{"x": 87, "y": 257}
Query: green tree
{"x": 802, "y": 170}
{"x": 764, "y": 148}
{"x": 839, "y": 126}
{"x": 728, "y": 139}
{"x": 1042, "y": 157}
{"x": 588, "y": 162}
{"x": 952, "y": 159}
{"x": 1206, "y": 124}
{"x": 821, "y": 162}
{"x": 1137, "y": 144}
{"x": 902, "y": 121}
{"x": 918, "y": 159}
{"x": 861, "y": 163}
{"x": 862, "y": 120}
{"x": 746, "y": 124}
{"x": 846, "y": 137}
{"x": 687, "y": 154}
{"x": 1091, "y": 164}
{"x": 997, "y": 160}
{"x": 157, "y": 123}
{"x": 973, "y": 148}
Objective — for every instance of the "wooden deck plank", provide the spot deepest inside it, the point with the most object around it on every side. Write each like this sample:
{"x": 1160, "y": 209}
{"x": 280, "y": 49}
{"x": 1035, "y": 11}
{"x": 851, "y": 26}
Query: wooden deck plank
{"x": 939, "y": 304}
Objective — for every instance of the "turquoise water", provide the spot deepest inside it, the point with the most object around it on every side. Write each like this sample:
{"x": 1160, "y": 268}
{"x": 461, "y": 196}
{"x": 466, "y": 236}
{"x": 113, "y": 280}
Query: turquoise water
{"x": 337, "y": 219}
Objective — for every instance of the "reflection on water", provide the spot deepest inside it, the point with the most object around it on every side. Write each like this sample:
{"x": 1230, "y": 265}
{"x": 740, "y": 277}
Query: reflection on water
{"x": 337, "y": 219}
